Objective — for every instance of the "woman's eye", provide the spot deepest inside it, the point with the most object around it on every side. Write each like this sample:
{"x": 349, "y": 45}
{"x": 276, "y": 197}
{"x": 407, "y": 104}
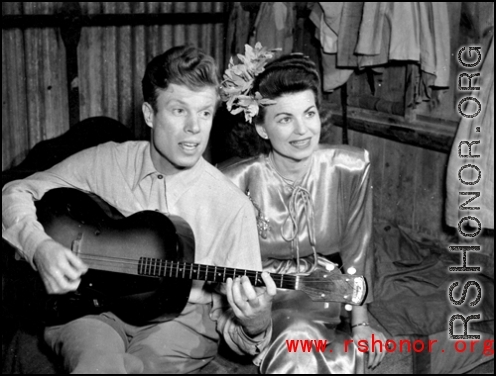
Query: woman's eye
{"x": 206, "y": 114}
{"x": 284, "y": 120}
{"x": 311, "y": 114}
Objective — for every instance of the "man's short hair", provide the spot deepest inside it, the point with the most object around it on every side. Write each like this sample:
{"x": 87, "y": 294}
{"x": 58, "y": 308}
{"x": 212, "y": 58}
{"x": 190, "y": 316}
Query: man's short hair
{"x": 182, "y": 65}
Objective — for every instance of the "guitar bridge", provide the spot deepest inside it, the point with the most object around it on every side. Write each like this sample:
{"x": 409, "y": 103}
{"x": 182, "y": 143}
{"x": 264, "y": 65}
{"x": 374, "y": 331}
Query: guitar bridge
{"x": 76, "y": 244}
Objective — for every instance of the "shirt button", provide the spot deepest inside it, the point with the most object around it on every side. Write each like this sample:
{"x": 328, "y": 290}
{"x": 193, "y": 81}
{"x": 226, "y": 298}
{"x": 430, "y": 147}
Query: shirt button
{"x": 161, "y": 176}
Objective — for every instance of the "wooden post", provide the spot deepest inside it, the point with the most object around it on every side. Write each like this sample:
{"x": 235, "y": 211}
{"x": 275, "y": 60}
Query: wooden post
{"x": 409, "y": 101}
{"x": 70, "y": 31}
{"x": 344, "y": 104}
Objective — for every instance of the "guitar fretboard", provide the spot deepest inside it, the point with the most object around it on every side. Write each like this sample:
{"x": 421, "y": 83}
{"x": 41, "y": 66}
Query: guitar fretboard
{"x": 163, "y": 268}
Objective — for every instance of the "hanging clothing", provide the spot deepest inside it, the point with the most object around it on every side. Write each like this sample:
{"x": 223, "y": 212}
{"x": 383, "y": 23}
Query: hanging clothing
{"x": 329, "y": 24}
{"x": 274, "y": 26}
{"x": 351, "y": 17}
{"x": 326, "y": 31}
{"x": 467, "y": 131}
{"x": 372, "y": 34}
{"x": 408, "y": 31}
{"x": 238, "y": 29}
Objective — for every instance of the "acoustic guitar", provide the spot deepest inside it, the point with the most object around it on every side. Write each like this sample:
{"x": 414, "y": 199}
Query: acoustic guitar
{"x": 141, "y": 267}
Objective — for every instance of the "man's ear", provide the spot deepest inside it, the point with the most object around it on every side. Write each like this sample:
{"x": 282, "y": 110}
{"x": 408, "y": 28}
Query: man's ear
{"x": 148, "y": 113}
{"x": 261, "y": 131}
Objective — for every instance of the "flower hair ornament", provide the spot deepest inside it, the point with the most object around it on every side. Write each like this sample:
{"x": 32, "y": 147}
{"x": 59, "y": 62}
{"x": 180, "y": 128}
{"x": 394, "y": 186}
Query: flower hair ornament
{"x": 238, "y": 82}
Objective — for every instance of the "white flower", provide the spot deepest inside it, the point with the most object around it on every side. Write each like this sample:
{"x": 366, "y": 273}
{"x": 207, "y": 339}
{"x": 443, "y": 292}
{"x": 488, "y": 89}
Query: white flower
{"x": 238, "y": 81}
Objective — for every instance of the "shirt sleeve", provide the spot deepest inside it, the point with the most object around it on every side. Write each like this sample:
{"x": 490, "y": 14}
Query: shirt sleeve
{"x": 20, "y": 226}
{"x": 244, "y": 254}
{"x": 233, "y": 332}
{"x": 356, "y": 243}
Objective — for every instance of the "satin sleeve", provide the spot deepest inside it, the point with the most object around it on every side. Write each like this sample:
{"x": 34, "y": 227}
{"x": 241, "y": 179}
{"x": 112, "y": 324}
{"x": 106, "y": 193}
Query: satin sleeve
{"x": 356, "y": 249}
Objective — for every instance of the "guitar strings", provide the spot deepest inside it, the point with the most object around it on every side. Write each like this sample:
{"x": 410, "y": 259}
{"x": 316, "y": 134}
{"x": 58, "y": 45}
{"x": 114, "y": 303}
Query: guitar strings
{"x": 179, "y": 265}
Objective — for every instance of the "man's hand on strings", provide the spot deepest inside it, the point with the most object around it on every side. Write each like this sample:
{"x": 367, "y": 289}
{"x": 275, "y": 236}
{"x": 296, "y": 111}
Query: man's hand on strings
{"x": 251, "y": 305}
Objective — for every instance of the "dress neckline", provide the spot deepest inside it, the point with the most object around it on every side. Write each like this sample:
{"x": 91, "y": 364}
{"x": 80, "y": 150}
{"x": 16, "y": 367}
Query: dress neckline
{"x": 290, "y": 182}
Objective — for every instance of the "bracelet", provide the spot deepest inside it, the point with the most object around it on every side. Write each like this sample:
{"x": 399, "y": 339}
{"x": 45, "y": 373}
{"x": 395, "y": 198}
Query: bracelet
{"x": 360, "y": 324}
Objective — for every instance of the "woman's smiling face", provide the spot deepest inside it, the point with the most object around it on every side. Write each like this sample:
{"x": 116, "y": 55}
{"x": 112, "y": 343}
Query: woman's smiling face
{"x": 292, "y": 125}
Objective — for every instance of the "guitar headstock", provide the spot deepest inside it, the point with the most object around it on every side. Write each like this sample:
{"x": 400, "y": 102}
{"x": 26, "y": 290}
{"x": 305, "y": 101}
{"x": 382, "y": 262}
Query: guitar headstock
{"x": 324, "y": 286}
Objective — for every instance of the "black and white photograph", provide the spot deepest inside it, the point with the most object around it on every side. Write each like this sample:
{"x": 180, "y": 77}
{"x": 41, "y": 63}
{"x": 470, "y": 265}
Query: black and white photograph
{"x": 247, "y": 187}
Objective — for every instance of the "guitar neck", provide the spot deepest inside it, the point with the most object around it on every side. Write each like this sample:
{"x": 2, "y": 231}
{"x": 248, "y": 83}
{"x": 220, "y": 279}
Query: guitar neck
{"x": 324, "y": 287}
{"x": 163, "y": 268}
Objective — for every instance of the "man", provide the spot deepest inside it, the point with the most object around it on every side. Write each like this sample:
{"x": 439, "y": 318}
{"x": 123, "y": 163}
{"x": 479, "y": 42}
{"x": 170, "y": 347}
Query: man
{"x": 167, "y": 174}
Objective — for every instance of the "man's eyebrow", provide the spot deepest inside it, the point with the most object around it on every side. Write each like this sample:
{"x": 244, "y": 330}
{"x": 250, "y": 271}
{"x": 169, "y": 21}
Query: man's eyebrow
{"x": 175, "y": 100}
{"x": 178, "y": 101}
{"x": 208, "y": 106}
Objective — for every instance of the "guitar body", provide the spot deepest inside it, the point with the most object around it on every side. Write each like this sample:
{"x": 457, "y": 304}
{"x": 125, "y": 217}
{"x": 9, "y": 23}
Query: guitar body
{"x": 111, "y": 245}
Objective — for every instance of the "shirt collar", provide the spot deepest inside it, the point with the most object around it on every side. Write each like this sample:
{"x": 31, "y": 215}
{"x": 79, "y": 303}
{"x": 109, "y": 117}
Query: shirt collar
{"x": 176, "y": 183}
{"x": 146, "y": 168}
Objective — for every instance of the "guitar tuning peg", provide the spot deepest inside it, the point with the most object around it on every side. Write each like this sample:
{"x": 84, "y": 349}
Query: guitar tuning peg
{"x": 329, "y": 267}
{"x": 351, "y": 270}
{"x": 348, "y": 307}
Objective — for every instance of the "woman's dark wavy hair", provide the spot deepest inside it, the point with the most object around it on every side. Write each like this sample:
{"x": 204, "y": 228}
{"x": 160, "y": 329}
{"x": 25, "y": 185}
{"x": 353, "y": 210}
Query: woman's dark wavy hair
{"x": 288, "y": 74}
{"x": 182, "y": 65}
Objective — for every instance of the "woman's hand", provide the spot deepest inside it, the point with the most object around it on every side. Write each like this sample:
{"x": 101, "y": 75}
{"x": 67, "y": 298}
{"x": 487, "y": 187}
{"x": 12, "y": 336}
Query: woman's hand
{"x": 251, "y": 305}
{"x": 377, "y": 346}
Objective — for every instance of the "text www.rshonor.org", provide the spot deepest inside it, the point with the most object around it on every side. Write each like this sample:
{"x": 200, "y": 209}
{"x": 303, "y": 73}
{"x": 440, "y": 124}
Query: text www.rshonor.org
{"x": 403, "y": 345}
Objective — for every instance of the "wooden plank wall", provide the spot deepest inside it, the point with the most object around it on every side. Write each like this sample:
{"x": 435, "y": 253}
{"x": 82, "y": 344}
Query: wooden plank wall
{"x": 34, "y": 95}
{"x": 408, "y": 181}
{"x": 111, "y": 63}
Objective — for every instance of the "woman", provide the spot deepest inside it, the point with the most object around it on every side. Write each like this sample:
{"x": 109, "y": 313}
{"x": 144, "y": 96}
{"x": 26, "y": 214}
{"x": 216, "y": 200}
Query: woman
{"x": 312, "y": 202}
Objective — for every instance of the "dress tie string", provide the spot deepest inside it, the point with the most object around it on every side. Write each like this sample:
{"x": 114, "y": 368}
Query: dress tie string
{"x": 300, "y": 198}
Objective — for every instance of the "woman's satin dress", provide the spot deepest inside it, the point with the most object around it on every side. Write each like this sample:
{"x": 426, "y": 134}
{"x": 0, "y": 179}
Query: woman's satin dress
{"x": 328, "y": 211}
